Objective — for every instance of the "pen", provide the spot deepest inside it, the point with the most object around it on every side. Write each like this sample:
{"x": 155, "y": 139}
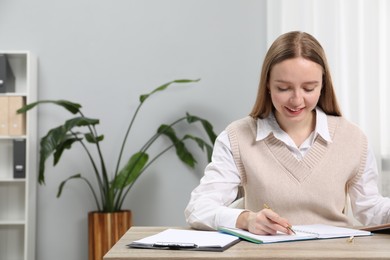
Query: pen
{"x": 288, "y": 227}
{"x": 175, "y": 245}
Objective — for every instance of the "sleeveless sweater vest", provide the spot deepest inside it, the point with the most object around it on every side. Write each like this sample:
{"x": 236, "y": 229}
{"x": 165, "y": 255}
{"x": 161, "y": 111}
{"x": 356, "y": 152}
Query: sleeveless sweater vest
{"x": 313, "y": 190}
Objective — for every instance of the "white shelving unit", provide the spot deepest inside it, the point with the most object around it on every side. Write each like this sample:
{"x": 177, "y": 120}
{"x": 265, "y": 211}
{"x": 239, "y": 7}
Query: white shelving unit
{"x": 18, "y": 195}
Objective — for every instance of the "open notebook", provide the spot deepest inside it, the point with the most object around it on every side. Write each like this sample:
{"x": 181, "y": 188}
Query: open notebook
{"x": 303, "y": 232}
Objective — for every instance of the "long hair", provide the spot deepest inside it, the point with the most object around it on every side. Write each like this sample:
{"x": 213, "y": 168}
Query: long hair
{"x": 292, "y": 45}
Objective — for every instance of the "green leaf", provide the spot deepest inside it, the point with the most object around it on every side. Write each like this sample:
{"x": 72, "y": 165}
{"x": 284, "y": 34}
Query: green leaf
{"x": 54, "y": 142}
{"x": 206, "y": 125}
{"x": 131, "y": 171}
{"x": 57, "y": 140}
{"x": 93, "y": 139}
{"x": 66, "y": 143}
{"x": 48, "y": 146}
{"x": 80, "y": 121}
{"x": 70, "y": 106}
{"x": 62, "y": 184}
{"x": 202, "y": 144}
{"x": 143, "y": 97}
{"x": 181, "y": 150}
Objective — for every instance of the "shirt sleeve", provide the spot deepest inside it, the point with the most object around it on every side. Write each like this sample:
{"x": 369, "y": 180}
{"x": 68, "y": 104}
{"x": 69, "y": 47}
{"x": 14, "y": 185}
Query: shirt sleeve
{"x": 368, "y": 206}
{"x": 208, "y": 207}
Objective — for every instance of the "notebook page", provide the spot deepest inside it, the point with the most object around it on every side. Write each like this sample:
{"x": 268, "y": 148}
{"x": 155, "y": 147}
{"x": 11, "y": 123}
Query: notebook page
{"x": 328, "y": 231}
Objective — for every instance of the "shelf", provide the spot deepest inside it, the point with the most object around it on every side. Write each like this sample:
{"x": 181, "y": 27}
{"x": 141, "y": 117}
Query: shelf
{"x": 8, "y": 137}
{"x": 11, "y": 180}
{"x": 12, "y": 223}
{"x": 14, "y": 94}
{"x": 18, "y": 195}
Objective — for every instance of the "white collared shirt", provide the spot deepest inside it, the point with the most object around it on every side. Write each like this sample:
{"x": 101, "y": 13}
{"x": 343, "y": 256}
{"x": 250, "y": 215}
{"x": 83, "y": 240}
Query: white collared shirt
{"x": 270, "y": 125}
{"x": 208, "y": 206}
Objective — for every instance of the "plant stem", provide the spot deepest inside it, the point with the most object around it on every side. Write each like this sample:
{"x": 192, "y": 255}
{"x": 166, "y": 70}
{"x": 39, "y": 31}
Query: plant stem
{"x": 93, "y": 193}
{"x": 157, "y": 135}
{"x": 120, "y": 197}
{"x": 125, "y": 138}
{"x": 104, "y": 186}
{"x": 93, "y": 165}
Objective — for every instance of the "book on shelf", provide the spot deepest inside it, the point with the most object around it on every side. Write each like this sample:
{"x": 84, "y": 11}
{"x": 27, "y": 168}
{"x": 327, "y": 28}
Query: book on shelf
{"x": 303, "y": 232}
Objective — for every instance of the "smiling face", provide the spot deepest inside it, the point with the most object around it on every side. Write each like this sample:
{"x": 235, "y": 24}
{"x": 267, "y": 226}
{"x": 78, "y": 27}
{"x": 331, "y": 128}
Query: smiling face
{"x": 295, "y": 87}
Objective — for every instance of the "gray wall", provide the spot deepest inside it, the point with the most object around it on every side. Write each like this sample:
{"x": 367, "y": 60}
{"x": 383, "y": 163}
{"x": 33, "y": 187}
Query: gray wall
{"x": 104, "y": 54}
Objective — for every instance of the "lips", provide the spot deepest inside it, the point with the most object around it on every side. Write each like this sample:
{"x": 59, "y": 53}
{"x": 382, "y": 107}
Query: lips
{"x": 294, "y": 111}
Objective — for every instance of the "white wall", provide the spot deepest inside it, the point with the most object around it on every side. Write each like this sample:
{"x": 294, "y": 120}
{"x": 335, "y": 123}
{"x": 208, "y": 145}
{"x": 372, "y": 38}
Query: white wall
{"x": 104, "y": 54}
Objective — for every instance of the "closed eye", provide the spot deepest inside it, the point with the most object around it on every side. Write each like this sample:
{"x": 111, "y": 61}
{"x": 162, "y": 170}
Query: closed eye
{"x": 281, "y": 89}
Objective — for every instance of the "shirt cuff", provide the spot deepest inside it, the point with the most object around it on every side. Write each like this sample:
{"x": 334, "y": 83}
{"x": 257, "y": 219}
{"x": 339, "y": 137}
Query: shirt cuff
{"x": 227, "y": 217}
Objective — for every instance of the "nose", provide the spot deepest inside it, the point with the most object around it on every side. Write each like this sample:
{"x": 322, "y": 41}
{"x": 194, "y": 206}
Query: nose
{"x": 296, "y": 97}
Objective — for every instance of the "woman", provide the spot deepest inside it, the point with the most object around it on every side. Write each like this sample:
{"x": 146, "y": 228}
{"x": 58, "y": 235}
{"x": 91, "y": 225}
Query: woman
{"x": 295, "y": 153}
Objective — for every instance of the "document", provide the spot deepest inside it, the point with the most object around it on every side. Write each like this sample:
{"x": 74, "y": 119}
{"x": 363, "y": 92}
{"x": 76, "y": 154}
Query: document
{"x": 180, "y": 239}
{"x": 303, "y": 232}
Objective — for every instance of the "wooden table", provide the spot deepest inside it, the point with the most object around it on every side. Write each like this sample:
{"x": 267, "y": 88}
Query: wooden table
{"x": 371, "y": 247}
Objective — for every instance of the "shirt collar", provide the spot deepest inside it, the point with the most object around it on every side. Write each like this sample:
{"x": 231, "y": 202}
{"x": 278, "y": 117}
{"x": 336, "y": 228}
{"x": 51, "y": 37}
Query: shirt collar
{"x": 269, "y": 125}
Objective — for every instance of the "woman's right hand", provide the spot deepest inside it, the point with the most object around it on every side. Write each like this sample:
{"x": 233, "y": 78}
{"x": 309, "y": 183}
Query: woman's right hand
{"x": 264, "y": 222}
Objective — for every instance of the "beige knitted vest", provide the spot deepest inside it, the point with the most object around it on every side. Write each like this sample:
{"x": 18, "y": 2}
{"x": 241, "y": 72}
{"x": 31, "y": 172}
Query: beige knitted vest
{"x": 313, "y": 190}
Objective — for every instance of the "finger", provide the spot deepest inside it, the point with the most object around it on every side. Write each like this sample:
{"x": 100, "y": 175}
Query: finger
{"x": 261, "y": 229}
{"x": 269, "y": 230}
{"x": 259, "y": 224}
{"x": 265, "y": 223}
{"x": 281, "y": 228}
{"x": 271, "y": 215}
{"x": 290, "y": 230}
{"x": 276, "y": 222}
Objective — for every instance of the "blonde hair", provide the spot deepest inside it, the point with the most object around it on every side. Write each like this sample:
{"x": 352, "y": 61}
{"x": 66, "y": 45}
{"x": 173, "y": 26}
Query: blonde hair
{"x": 292, "y": 45}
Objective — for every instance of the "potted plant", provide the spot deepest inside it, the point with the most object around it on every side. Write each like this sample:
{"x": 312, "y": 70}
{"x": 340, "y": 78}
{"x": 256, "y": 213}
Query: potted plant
{"x": 112, "y": 189}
